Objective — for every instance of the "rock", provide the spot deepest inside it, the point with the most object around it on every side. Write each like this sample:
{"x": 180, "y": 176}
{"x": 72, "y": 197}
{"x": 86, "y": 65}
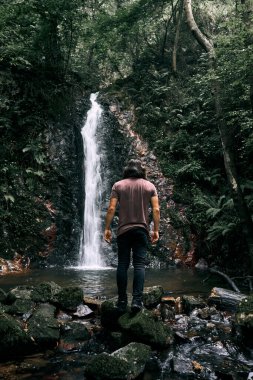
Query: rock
{"x": 183, "y": 367}
{"x": 152, "y": 296}
{"x": 93, "y": 303}
{"x": 20, "y": 292}
{"x": 189, "y": 303}
{"x": 126, "y": 363}
{"x": 2, "y": 296}
{"x": 83, "y": 311}
{"x": 110, "y": 314}
{"x": 20, "y": 307}
{"x": 117, "y": 340}
{"x": 70, "y": 298}
{"x": 201, "y": 264}
{"x": 13, "y": 339}
{"x": 45, "y": 292}
{"x": 73, "y": 336}
{"x": 244, "y": 320}
{"x": 225, "y": 299}
{"x": 142, "y": 327}
{"x": 43, "y": 327}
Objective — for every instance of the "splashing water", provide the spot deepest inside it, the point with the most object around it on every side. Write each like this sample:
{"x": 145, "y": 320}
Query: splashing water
{"x": 89, "y": 254}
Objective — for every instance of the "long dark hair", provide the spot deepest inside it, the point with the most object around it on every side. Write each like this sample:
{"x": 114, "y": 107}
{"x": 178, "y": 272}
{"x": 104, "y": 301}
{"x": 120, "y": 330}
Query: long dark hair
{"x": 134, "y": 169}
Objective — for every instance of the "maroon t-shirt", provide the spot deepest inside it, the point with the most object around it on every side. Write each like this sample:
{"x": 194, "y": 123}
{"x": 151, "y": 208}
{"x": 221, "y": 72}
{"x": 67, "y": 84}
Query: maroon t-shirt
{"x": 134, "y": 196}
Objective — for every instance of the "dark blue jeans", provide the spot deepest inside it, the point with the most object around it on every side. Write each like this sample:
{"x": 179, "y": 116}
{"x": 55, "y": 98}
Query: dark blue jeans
{"x": 136, "y": 240}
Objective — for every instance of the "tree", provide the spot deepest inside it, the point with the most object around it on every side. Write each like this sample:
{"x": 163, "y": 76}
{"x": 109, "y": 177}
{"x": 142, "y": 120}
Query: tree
{"x": 225, "y": 134}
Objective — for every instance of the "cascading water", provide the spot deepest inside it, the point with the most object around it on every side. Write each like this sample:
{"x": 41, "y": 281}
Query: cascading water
{"x": 89, "y": 255}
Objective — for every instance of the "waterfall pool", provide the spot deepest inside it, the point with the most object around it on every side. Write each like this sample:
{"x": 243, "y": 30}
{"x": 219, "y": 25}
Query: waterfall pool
{"x": 102, "y": 283}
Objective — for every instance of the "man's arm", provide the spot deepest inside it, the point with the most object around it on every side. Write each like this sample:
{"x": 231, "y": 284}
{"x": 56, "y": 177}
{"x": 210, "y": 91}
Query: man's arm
{"x": 156, "y": 219}
{"x": 108, "y": 219}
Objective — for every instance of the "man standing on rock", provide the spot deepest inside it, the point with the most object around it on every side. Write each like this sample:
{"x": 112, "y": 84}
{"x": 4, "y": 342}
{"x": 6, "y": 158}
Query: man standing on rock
{"x": 134, "y": 194}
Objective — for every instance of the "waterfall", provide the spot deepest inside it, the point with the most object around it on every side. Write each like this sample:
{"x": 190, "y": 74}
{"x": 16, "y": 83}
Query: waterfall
{"x": 89, "y": 255}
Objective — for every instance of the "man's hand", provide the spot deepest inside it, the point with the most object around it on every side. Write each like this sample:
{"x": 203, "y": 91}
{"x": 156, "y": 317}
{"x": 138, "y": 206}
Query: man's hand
{"x": 154, "y": 237}
{"x": 108, "y": 236}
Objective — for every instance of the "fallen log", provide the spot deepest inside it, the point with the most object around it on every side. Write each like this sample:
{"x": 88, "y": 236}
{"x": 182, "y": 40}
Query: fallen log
{"x": 225, "y": 299}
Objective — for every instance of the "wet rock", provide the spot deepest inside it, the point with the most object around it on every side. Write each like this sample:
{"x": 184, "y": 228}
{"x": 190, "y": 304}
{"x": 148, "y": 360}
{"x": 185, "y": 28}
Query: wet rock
{"x": 225, "y": 299}
{"x": 43, "y": 327}
{"x": 70, "y": 298}
{"x": 143, "y": 328}
{"x": 83, "y": 311}
{"x": 73, "y": 337}
{"x": 45, "y": 292}
{"x": 93, "y": 303}
{"x": 152, "y": 295}
{"x": 244, "y": 320}
{"x": 183, "y": 367}
{"x": 13, "y": 339}
{"x": 205, "y": 313}
{"x": 126, "y": 363}
{"x": 189, "y": 303}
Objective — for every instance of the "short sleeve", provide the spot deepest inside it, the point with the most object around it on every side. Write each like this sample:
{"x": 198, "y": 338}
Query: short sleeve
{"x": 153, "y": 192}
{"x": 114, "y": 192}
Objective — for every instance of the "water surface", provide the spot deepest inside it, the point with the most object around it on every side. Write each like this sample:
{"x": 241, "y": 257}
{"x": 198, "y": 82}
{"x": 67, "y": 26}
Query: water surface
{"x": 176, "y": 281}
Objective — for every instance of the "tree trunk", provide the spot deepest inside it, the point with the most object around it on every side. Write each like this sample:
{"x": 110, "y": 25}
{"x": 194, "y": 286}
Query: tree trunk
{"x": 226, "y": 138}
{"x": 174, "y": 53}
{"x": 248, "y": 20}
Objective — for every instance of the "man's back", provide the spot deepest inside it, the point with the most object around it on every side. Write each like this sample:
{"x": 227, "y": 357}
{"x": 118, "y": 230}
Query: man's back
{"x": 134, "y": 196}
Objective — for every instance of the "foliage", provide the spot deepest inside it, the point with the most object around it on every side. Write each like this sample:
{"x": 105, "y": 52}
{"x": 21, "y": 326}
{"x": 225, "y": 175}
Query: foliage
{"x": 54, "y": 47}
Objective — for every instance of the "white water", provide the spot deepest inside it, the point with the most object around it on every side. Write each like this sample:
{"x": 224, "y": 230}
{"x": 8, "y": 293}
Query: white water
{"x": 89, "y": 254}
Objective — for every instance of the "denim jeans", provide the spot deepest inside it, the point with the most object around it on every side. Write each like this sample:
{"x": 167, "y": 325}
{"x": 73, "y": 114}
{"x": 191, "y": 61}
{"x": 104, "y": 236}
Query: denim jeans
{"x": 136, "y": 240}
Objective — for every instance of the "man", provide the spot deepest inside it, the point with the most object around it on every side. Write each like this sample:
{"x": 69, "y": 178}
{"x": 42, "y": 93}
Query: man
{"x": 134, "y": 194}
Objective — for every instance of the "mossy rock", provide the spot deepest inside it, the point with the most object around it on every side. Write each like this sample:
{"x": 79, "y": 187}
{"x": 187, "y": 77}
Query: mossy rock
{"x": 246, "y": 305}
{"x": 244, "y": 320}
{"x": 45, "y": 292}
{"x": 20, "y": 292}
{"x": 152, "y": 295}
{"x": 13, "y": 339}
{"x": 74, "y": 331}
{"x": 142, "y": 327}
{"x": 126, "y": 363}
{"x": 43, "y": 327}
{"x": 70, "y": 298}
{"x": 20, "y": 307}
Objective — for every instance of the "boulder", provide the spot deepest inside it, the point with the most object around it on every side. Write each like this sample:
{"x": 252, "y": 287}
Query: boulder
{"x": 45, "y": 292}
{"x": 152, "y": 296}
{"x": 126, "y": 363}
{"x": 70, "y": 298}
{"x": 14, "y": 340}
{"x": 142, "y": 327}
{"x": 73, "y": 336}
{"x": 43, "y": 327}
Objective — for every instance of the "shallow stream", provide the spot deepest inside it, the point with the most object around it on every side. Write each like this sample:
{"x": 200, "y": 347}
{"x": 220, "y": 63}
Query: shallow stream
{"x": 102, "y": 284}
